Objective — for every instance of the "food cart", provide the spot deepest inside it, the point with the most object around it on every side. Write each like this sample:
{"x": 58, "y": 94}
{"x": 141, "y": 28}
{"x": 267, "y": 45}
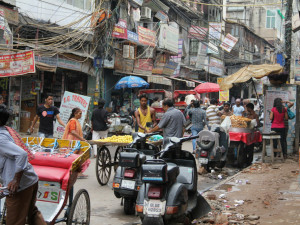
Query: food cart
{"x": 57, "y": 168}
{"x": 104, "y": 161}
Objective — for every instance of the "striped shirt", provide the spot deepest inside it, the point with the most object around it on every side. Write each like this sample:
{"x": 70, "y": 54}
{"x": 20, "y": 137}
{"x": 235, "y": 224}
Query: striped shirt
{"x": 212, "y": 116}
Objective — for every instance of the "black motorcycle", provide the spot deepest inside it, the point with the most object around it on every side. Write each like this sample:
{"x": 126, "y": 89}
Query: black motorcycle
{"x": 169, "y": 193}
{"x": 127, "y": 179}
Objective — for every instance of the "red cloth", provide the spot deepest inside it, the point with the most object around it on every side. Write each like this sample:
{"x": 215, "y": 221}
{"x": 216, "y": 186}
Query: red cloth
{"x": 18, "y": 141}
{"x": 278, "y": 121}
{"x": 247, "y": 138}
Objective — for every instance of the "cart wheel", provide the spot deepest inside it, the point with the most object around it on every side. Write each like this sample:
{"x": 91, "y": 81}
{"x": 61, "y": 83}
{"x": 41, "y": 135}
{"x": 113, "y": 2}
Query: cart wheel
{"x": 240, "y": 155}
{"x": 103, "y": 166}
{"x": 80, "y": 211}
{"x": 117, "y": 157}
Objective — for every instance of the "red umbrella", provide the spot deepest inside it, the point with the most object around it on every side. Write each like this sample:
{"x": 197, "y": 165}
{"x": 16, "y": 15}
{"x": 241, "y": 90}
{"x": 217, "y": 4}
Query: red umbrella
{"x": 207, "y": 87}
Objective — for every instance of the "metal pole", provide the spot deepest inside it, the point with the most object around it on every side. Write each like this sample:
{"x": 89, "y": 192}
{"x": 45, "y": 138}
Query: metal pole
{"x": 288, "y": 34}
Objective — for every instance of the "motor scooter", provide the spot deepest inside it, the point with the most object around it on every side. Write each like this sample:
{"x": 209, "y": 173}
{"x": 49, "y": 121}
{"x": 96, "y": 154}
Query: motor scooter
{"x": 169, "y": 192}
{"x": 212, "y": 147}
{"x": 127, "y": 179}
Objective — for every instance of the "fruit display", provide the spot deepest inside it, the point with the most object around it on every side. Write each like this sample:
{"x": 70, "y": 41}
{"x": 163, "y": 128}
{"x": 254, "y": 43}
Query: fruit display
{"x": 117, "y": 139}
{"x": 239, "y": 121}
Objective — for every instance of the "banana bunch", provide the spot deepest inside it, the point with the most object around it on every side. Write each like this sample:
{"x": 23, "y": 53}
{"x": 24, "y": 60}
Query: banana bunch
{"x": 117, "y": 139}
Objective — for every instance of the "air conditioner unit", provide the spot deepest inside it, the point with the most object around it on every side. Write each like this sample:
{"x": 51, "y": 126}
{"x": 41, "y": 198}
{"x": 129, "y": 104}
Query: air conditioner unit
{"x": 146, "y": 13}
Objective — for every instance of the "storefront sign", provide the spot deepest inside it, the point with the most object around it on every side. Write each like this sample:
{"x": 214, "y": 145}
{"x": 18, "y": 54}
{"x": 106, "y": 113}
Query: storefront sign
{"x": 159, "y": 80}
{"x": 215, "y": 30}
{"x": 144, "y": 66}
{"x": 177, "y": 58}
{"x": 146, "y": 36}
{"x": 229, "y": 42}
{"x": 169, "y": 68}
{"x": 120, "y": 30}
{"x": 216, "y": 66}
{"x": 17, "y": 64}
{"x": 168, "y": 37}
{"x": 297, "y": 71}
{"x": 12, "y": 16}
{"x": 51, "y": 61}
{"x": 69, "y": 102}
{"x": 223, "y": 95}
{"x": 68, "y": 64}
{"x": 198, "y": 33}
{"x": 131, "y": 36}
{"x": 162, "y": 16}
{"x": 109, "y": 64}
{"x": 159, "y": 64}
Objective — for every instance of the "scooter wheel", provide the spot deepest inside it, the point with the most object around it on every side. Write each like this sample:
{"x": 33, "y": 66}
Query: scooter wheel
{"x": 152, "y": 221}
{"x": 129, "y": 206}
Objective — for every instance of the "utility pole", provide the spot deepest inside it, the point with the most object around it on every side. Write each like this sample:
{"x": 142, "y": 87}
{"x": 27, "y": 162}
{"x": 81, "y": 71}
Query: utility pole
{"x": 288, "y": 34}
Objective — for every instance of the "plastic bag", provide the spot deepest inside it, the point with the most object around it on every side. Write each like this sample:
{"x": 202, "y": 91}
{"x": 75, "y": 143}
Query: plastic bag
{"x": 226, "y": 124}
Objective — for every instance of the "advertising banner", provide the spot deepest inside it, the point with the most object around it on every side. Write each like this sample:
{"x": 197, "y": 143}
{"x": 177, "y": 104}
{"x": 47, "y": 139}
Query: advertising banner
{"x": 170, "y": 68}
{"x": 177, "y": 58}
{"x": 17, "y": 64}
{"x": 120, "y": 30}
{"x": 159, "y": 64}
{"x": 131, "y": 36}
{"x": 229, "y": 42}
{"x": 216, "y": 66}
{"x": 215, "y": 30}
{"x": 146, "y": 36}
{"x": 143, "y": 66}
{"x": 198, "y": 33}
{"x": 69, "y": 102}
{"x": 223, "y": 95}
{"x": 168, "y": 37}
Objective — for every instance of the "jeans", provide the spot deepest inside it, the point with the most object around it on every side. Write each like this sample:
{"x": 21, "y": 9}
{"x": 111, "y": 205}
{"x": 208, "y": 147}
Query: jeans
{"x": 195, "y": 131}
{"x": 43, "y": 135}
{"x": 282, "y": 133}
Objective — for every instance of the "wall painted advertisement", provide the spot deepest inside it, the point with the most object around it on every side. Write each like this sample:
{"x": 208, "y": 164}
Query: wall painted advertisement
{"x": 69, "y": 102}
{"x": 17, "y": 64}
{"x": 168, "y": 37}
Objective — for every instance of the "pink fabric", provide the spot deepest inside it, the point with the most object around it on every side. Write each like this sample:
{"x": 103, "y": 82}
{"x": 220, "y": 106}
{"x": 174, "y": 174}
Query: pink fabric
{"x": 247, "y": 138}
{"x": 278, "y": 121}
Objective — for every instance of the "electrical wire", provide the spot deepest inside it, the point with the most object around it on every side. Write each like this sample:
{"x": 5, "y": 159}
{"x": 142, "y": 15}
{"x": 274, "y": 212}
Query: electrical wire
{"x": 234, "y": 5}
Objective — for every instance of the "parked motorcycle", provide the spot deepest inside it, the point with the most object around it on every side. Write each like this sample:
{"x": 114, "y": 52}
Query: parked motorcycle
{"x": 212, "y": 147}
{"x": 169, "y": 193}
{"x": 127, "y": 179}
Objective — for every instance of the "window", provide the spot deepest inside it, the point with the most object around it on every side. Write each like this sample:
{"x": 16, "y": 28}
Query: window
{"x": 194, "y": 45}
{"x": 82, "y": 4}
{"x": 271, "y": 17}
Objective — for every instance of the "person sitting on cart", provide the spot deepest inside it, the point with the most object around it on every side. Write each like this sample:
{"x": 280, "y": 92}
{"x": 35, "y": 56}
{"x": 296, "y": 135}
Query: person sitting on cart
{"x": 251, "y": 113}
{"x": 226, "y": 110}
{"x": 18, "y": 176}
{"x": 144, "y": 115}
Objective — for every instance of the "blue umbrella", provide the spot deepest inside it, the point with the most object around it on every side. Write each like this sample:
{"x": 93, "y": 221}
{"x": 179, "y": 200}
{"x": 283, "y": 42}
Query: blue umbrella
{"x": 131, "y": 82}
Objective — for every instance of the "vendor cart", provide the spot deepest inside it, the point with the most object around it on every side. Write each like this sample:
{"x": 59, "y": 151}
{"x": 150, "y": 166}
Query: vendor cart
{"x": 57, "y": 168}
{"x": 104, "y": 162}
{"x": 241, "y": 147}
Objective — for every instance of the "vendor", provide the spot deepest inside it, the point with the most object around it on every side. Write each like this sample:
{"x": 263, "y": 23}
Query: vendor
{"x": 226, "y": 111}
{"x": 251, "y": 113}
{"x": 237, "y": 108}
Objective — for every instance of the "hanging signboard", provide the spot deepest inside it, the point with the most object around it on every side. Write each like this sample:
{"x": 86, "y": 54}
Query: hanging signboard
{"x": 143, "y": 66}
{"x": 146, "y": 36}
{"x": 131, "y": 36}
{"x": 17, "y": 64}
{"x": 216, "y": 66}
{"x": 69, "y": 102}
{"x": 170, "y": 68}
{"x": 120, "y": 30}
{"x": 168, "y": 37}
{"x": 159, "y": 63}
{"x": 198, "y": 33}
{"x": 229, "y": 42}
{"x": 215, "y": 30}
{"x": 223, "y": 95}
{"x": 162, "y": 16}
{"x": 177, "y": 58}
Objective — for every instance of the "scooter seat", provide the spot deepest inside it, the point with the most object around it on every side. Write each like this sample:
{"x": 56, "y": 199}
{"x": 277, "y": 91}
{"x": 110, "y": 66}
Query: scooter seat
{"x": 173, "y": 172}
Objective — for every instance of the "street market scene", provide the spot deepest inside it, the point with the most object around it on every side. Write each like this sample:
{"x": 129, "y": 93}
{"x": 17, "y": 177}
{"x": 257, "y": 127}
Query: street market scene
{"x": 149, "y": 112}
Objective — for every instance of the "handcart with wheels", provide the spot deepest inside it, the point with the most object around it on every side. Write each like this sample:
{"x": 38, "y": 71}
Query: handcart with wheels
{"x": 57, "y": 167}
{"x": 104, "y": 161}
{"x": 241, "y": 147}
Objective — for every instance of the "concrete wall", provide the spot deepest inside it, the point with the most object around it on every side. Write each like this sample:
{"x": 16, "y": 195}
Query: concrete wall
{"x": 53, "y": 11}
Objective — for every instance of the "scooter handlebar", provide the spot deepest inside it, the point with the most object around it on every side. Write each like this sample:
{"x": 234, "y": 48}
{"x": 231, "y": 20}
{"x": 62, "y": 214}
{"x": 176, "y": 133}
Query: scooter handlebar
{"x": 188, "y": 138}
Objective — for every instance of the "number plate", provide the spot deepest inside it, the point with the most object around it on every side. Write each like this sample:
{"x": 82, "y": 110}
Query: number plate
{"x": 129, "y": 184}
{"x": 154, "y": 207}
{"x": 203, "y": 160}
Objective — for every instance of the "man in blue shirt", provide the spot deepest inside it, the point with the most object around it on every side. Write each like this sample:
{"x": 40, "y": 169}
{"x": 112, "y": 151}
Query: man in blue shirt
{"x": 19, "y": 178}
{"x": 237, "y": 108}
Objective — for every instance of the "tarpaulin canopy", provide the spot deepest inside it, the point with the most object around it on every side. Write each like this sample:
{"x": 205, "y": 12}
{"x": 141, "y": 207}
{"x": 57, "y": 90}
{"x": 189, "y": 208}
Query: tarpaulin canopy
{"x": 248, "y": 72}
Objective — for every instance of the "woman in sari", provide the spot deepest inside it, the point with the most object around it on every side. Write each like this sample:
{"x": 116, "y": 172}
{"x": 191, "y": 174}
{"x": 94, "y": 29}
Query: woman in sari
{"x": 73, "y": 131}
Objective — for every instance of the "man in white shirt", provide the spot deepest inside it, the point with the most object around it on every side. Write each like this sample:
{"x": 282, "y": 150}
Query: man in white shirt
{"x": 237, "y": 108}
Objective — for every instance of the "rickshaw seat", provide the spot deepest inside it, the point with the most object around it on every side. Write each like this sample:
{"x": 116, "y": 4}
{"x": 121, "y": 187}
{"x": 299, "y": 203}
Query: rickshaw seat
{"x": 54, "y": 174}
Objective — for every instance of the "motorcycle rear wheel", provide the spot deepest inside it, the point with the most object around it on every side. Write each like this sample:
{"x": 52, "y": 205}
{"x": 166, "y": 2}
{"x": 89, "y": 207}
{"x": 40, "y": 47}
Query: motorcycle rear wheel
{"x": 129, "y": 206}
{"x": 152, "y": 221}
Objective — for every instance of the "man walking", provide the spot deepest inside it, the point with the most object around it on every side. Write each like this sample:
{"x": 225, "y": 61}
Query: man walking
{"x": 172, "y": 121}
{"x": 47, "y": 113}
{"x": 213, "y": 114}
{"x": 18, "y": 176}
{"x": 145, "y": 115}
{"x": 99, "y": 123}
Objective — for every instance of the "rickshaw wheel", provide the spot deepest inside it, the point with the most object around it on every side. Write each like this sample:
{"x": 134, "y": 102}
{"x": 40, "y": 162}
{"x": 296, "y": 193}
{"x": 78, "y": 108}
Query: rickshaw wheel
{"x": 117, "y": 157}
{"x": 103, "y": 166}
{"x": 80, "y": 211}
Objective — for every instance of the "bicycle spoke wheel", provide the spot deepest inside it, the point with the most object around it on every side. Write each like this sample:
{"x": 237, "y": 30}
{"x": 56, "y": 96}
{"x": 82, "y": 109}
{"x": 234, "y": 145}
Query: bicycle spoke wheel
{"x": 80, "y": 211}
{"x": 103, "y": 166}
{"x": 117, "y": 157}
